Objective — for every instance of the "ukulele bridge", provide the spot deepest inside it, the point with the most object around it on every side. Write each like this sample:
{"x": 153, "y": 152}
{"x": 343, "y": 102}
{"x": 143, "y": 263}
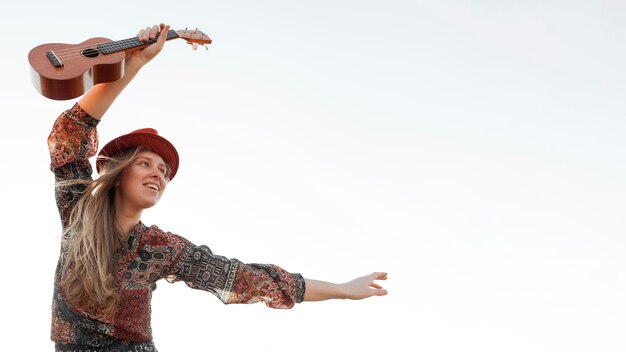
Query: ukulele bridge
{"x": 54, "y": 59}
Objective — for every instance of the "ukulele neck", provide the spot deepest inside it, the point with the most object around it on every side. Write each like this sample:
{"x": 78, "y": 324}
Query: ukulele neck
{"x": 131, "y": 43}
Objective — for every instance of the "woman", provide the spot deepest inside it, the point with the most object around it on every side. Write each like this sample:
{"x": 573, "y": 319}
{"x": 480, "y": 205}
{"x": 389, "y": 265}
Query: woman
{"x": 110, "y": 261}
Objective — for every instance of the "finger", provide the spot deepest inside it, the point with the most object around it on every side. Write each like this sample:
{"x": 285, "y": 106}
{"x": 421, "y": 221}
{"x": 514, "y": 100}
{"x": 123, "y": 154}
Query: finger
{"x": 147, "y": 34}
{"x": 379, "y": 276}
{"x": 153, "y": 31}
{"x": 374, "y": 285}
{"x": 142, "y": 36}
{"x": 164, "y": 31}
{"x": 380, "y": 292}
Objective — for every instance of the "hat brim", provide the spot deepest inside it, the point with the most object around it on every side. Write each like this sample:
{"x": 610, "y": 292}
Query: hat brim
{"x": 156, "y": 143}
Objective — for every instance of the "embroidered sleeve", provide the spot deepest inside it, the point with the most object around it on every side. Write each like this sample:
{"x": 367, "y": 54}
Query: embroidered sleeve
{"x": 235, "y": 282}
{"x": 72, "y": 141}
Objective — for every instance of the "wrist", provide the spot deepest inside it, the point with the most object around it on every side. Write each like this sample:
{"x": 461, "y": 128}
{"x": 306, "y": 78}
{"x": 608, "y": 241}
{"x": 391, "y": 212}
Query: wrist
{"x": 342, "y": 291}
{"x": 132, "y": 66}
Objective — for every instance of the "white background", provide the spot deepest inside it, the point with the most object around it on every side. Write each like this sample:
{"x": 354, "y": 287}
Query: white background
{"x": 472, "y": 149}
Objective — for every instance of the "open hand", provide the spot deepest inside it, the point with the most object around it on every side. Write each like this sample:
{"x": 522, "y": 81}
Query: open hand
{"x": 365, "y": 286}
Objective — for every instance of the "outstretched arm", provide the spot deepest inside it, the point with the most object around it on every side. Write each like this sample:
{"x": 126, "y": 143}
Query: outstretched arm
{"x": 101, "y": 96}
{"x": 359, "y": 288}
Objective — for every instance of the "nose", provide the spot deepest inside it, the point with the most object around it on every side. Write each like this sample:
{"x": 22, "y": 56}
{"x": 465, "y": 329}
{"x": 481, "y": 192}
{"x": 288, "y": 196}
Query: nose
{"x": 156, "y": 173}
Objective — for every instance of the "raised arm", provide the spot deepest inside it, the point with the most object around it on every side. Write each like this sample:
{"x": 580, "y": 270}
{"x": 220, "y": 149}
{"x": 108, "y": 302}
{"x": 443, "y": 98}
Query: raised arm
{"x": 359, "y": 288}
{"x": 101, "y": 96}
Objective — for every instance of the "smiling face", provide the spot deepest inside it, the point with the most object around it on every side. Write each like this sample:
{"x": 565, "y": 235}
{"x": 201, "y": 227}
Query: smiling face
{"x": 142, "y": 183}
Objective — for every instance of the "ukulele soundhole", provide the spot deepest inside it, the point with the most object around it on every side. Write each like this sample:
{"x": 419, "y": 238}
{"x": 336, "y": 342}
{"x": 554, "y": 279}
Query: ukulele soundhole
{"x": 90, "y": 53}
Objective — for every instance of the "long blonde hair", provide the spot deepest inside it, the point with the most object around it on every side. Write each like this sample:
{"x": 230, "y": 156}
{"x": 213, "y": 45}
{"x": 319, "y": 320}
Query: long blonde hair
{"x": 92, "y": 236}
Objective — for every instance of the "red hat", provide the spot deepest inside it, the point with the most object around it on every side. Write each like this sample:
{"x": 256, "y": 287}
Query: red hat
{"x": 145, "y": 137}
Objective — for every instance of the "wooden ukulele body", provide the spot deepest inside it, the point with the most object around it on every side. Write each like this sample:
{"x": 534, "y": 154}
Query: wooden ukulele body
{"x": 81, "y": 70}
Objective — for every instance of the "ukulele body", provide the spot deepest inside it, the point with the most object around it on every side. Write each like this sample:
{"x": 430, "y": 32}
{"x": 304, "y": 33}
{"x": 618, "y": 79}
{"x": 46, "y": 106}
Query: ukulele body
{"x": 84, "y": 67}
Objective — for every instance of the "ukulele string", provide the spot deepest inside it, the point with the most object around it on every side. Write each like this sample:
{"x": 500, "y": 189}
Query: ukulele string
{"x": 134, "y": 41}
{"x": 75, "y": 52}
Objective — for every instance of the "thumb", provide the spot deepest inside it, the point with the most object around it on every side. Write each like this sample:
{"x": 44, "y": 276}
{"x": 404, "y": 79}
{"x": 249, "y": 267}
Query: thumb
{"x": 163, "y": 35}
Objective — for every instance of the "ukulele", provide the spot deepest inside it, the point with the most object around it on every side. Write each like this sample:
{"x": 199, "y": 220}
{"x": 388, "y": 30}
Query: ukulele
{"x": 66, "y": 71}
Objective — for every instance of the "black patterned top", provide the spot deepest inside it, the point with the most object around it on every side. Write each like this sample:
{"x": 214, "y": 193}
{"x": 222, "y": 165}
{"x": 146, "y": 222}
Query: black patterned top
{"x": 148, "y": 255}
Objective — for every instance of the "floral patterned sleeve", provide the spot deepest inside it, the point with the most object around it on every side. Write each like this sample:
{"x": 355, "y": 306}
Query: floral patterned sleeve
{"x": 72, "y": 141}
{"x": 233, "y": 281}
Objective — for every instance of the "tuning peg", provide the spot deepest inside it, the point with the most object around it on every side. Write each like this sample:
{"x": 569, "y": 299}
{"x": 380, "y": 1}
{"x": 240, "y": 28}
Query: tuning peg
{"x": 205, "y": 47}
{"x": 194, "y": 46}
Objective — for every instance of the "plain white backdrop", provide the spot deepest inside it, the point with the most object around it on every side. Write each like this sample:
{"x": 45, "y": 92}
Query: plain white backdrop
{"x": 472, "y": 149}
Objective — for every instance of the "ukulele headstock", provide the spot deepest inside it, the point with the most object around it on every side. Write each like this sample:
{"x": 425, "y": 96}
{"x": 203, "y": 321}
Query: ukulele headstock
{"x": 194, "y": 37}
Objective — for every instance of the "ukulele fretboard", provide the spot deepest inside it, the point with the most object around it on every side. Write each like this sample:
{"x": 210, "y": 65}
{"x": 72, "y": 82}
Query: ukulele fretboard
{"x": 130, "y": 43}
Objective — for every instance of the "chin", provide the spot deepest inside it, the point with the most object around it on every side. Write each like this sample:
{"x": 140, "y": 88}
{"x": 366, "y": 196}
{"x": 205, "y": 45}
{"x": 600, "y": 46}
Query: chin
{"x": 149, "y": 205}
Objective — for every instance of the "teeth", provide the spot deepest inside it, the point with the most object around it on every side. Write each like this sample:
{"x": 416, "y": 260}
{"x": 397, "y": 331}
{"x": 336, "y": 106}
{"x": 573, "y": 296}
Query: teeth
{"x": 154, "y": 187}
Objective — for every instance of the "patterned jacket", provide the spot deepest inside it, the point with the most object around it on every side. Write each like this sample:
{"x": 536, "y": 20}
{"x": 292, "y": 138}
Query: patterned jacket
{"x": 148, "y": 255}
